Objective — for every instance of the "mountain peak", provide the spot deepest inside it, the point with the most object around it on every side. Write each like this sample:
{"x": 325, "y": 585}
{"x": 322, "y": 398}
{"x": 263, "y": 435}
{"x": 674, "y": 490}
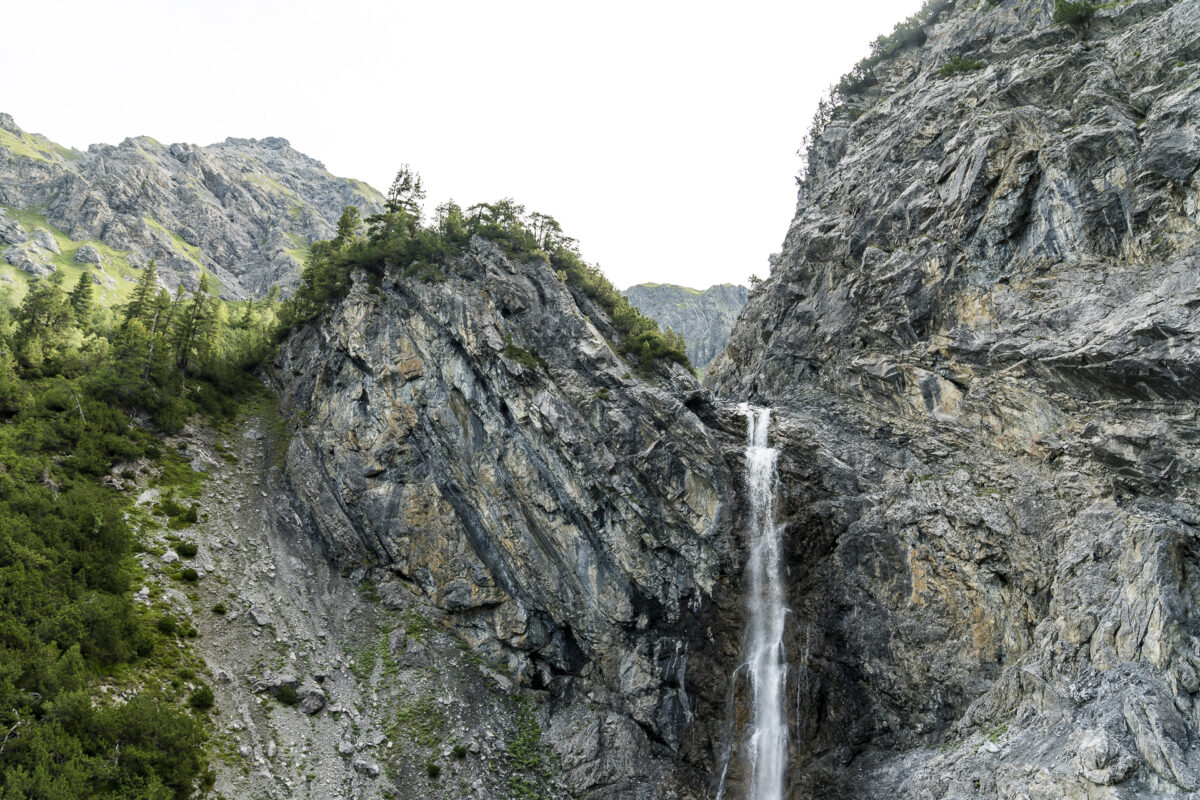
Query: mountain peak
{"x": 269, "y": 142}
{"x": 242, "y": 210}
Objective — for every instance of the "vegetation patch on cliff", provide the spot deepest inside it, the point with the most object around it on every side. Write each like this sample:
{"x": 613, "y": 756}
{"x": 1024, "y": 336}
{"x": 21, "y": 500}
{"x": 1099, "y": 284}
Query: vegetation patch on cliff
{"x": 909, "y": 33}
{"x": 396, "y": 239}
{"x": 529, "y": 763}
{"x": 958, "y": 64}
{"x": 1067, "y": 12}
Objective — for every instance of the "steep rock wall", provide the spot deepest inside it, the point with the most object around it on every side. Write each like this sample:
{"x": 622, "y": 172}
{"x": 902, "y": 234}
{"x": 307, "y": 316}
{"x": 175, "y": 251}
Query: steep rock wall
{"x": 981, "y": 339}
{"x": 480, "y": 438}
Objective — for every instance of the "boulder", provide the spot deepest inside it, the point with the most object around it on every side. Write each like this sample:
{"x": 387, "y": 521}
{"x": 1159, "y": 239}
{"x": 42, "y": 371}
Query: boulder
{"x": 312, "y": 697}
{"x": 45, "y": 240}
{"x": 86, "y": 254}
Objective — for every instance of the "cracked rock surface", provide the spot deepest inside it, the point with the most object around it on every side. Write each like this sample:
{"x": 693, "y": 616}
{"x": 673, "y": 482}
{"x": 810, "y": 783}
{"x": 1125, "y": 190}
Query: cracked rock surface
{"x": 244, "y": 210}
{"x": 981, "y": 341}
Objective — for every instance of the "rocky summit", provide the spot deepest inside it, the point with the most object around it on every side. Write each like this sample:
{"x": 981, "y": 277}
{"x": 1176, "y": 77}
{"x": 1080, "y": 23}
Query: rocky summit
{"x": 243, "y": 210}
{"x": 703, "y": 318}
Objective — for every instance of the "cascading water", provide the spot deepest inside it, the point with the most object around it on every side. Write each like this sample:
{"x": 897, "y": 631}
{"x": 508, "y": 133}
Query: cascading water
{"x": 766, "y": 661}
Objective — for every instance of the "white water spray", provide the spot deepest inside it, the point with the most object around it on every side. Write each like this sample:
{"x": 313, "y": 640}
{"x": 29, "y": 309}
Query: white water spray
{"x": 766, "y": 660}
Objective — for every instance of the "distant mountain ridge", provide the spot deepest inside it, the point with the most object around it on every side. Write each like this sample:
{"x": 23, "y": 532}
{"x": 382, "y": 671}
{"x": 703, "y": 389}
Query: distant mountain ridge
{"x": 244, "y": 210}
{"x": 703, "y": 318}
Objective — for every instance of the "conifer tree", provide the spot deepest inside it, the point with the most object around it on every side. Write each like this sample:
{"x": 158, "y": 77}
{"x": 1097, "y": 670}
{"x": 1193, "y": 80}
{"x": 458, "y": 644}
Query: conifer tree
{"x": 81, "y": 299}
{"x": 161, "y": 313}
{"x": 160, "y": 317}
{"x": 196, "y": 330}
{"x": 44, "y": 321}
{"x": 143, "y": 293}
{"x": 347, "y": 227}
{"x": 406, "y": 193}
{"x": 402, "y": 209}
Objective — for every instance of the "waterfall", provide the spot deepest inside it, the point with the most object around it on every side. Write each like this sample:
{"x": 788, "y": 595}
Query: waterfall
{"x": 766, "y": 661}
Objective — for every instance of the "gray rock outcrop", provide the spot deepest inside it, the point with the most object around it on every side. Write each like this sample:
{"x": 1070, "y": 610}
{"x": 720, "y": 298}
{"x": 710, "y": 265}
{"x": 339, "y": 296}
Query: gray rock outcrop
{"x": 244, "y": 210}
{"x": 703, "y": 318}
{"x": 480, "y": 438}
{"x": 29, "y": 257}
{"x": 86, "y": 254}
{"x": 981, "y": 339}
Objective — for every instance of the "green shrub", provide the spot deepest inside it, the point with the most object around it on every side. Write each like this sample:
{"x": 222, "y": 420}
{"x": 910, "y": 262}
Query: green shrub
{"x": 287, "y": 695}
{"x": 202, "y": 699}
{"x": 188, "y": 574}
{"x": 433, "y": 769}
{"x": 1067, "y": 12}
{"x": 186, "y": 549}
{"x": 219, "y": 609}
{"x": 167, "y": 624}
{"x": 958, "y": 64}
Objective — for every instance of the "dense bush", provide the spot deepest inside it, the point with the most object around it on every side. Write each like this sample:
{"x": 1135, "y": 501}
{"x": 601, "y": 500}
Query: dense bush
{"x": 288, "y": 695}
{"x": 69, "y": 391}
{"x": 140, "y": 750}
{"x": 1073, "y": 13}
{"x": 202, "y": 699}
{"x": 67, "y": 614}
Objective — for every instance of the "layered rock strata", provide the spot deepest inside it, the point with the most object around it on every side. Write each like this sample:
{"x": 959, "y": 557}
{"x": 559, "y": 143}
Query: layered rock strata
{"x": 479, "y": 438}
{"x": 980, "y": 339}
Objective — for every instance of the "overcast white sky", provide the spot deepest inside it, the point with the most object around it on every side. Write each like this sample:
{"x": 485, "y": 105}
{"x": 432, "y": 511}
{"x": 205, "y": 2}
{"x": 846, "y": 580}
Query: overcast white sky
{"x": 662, "y": 135}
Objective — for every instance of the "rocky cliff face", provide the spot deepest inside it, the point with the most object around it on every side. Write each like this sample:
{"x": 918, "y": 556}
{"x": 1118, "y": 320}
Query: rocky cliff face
{"x": 478, "y": 438}
{"x": 979, "y": 342}
{"x": 981, "y": 336}
{"x": 702, "y": 318}
{"x": 245, "y": 210}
